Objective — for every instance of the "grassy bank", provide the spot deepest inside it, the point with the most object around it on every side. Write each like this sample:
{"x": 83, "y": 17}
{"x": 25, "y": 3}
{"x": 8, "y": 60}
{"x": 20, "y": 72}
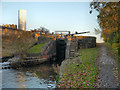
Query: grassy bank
{"x": 16, "y": 43}
{"x": 80, "y": 72}
{"x": 36, "y": 49}
{"x": 113, "y": 50}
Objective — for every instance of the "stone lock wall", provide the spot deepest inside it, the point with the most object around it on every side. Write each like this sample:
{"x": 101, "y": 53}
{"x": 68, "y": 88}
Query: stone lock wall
{"x": 49, "y": 50}
{"x": 75, "y": 43}
{"x": 65, "y": 48}
{"x": 87, "y": 42}
{"x": 71, "y": 47}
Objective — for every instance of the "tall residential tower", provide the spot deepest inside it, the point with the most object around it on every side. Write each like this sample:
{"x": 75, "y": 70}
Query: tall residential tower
{"x": 22, "y": 19}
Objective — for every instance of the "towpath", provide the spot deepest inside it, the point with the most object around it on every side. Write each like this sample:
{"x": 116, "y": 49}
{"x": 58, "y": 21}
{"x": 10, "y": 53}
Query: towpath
{"x": 107, "y": 69}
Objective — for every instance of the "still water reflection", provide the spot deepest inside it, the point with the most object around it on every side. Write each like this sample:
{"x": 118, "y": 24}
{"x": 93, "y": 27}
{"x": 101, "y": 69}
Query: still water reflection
{"x": 42, "y": 76}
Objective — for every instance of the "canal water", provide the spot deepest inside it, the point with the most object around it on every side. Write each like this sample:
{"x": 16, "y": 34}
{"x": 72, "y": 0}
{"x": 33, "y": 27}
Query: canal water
{"x": 41, "y": 76}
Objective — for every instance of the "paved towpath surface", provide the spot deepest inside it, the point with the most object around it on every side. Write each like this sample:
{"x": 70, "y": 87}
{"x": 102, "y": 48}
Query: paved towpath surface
{"x": 107, "y": 69}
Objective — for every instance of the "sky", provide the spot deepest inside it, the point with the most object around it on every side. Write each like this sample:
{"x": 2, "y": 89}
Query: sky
{"x": 70, "y": 16}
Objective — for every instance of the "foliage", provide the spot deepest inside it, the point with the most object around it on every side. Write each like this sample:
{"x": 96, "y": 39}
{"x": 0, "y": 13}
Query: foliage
{"x": 56, "y": 68}
{"x": 108, "y": 19}
{"x": 42, "y": 30}
{"x": 115, "y": 47}
{"x": 16, "y": 42}
{"x": 57, "y": 77}
{"x": 97, "y": 31}
{"x": 80, "y": 75}
{"x": 36, "y": 49}
{"x": 109, "y": 22}
{"x": 113, "y": 50}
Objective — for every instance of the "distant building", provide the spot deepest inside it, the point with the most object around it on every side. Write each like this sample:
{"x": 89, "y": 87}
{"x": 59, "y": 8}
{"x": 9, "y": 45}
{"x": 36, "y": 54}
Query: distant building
{"x": 9, "y": 26}
{"x": 22, "y": 19}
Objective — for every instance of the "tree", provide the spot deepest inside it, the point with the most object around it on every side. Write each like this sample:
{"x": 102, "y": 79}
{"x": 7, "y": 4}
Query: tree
{"x": 43, "y": 29}
{"x": 108, "y": 19}
{"x": 97, "y": 31}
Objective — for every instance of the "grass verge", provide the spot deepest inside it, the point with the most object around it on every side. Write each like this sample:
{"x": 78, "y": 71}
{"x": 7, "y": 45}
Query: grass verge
{"x": 80, "y": 75}
{"x": 113, "y": 50}
{"x": 36, "y": 49}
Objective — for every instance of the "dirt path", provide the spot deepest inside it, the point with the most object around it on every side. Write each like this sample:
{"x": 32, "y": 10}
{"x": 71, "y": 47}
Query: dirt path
{"x": 107, "y": 69}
